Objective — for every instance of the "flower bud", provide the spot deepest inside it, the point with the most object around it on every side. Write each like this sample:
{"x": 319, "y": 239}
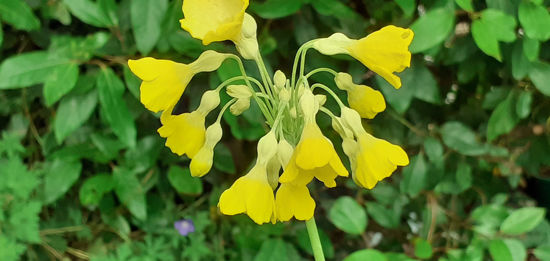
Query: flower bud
{"x": 239, "y": 91}
{"x": 213, "y": 134}
{"x": 267, "y": 147}
{"x": 344, "y": 81}
{"x": 308, "y": 104}
{"x": 209, "y": 101}
{"x": 284, "y": 95}
{"x": 279, "y": 79}
{"x": 352, "y": 120}
{"x": 247, "y": 44}
{"x": 240, "y": 106}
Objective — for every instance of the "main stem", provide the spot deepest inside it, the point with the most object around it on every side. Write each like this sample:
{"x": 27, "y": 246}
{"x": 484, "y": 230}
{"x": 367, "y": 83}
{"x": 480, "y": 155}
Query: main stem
{"x": 315, "y": 240}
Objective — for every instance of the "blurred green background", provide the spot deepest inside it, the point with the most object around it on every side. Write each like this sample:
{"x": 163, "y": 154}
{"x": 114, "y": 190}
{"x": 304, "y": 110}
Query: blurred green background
{"x": 85, "y": 176}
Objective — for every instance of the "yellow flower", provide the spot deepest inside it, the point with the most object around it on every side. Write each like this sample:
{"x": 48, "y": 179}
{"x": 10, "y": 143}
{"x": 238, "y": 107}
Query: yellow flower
{"x": 364, "y": 99}
{"x": 213, "y": 20}
{"x": 384, "y": 51}
{"x": 184, "y": 133}
{"x": 202, "y": 161}
{"x": 165, "y": 81}
{"x": 372, "y": 159}
{"x": 294, "y": 200}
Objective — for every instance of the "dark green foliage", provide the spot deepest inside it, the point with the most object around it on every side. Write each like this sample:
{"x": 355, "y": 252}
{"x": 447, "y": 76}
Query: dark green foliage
{"x": 84, "y": 174}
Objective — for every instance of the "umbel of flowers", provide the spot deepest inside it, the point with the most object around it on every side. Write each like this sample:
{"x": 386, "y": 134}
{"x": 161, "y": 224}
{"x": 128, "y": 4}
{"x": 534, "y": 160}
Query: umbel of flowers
{"x": 294, "y": 151}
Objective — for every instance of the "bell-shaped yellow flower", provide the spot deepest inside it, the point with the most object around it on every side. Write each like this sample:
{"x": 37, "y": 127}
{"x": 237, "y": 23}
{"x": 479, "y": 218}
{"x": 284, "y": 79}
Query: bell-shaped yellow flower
{"x": 250, "y": 194}
{"x": 294, "y": 200}
{"x": 184, "y": 133}
{"x": 164, "y": 81}
{"x": 372, "y": 159}
{"x": 213, "y": 20}
{"x": 202, "y": 162}
{"x": 384, "y": 51}
{"x": 364, "y": 99}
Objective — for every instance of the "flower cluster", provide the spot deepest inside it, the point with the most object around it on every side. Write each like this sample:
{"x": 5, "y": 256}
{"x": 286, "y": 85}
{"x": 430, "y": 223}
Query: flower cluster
{"x": 294, "y": 144}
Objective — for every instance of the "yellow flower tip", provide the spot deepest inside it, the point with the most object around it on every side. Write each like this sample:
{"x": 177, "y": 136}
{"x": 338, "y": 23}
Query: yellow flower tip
{"x": 184, "y": 133}
{"x": 294, "y": 201}
{"x": 201, "y": 162}
{"x": 385, "y": 52}
{"x": 163, "y": 83}
{"x": 213, "y": 20}
{"x": 376, "y": 159}
{"x": 366, "y": 101}
{"x": 314, "y": 150}
{"x": 250, "y": 194}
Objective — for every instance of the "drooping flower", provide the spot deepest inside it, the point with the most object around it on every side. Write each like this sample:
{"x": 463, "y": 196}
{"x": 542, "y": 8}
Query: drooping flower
{"x": 164, "y": 81}
{"x": 372, "y": 159}
{"x": 364, "y": 99}
{"x": 184, "y": 226}
{"x": 202, "y": 162}
{"x": 185, "y": 133}
{"x": 213, "y": 20}
{"x": 384, "y": 51}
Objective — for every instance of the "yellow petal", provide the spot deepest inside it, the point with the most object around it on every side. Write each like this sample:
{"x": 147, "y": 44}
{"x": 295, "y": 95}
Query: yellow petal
{"x": 365, "y": 100}
{"x": 385, "y": 52}
{"x": 213, "y": 20}
{"x": 294, "y": 201}
{"x": 376, "y": 160}
{"x": 163, "y": 83}
{"x": 314, "y": 150}
{"x": 250, "y": 194}
{"x": 184, "y": 133}
{"x": 292, "y": 173}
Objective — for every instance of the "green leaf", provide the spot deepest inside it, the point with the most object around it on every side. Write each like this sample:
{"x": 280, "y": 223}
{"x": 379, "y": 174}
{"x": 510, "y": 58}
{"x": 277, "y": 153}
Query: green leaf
{"x": 333, "y": 8}
{"x": 181, "y": 179}
{"x": 366, "y": 254}
{"x": 415, "y": 176}
{"x": 522, "y": 220}
{"x": 494, "y": 26}
{"x": 59, "y": 178}
{"x": 347, "y": 215}
{"x": 147, "y": 17}
{"x": 109, "y": 9}
{"x": 223, "y": 159}
{"x": 463, "y": 176}
{"x": 60, "y": 82}
{"x": 17, "y": 178}
{"x": 128, "y": 189}
{"x": 29, "y": 69}
{"x": 272, "y": 250}
{"x": 422, "y": 248}
{"x": 535, "y": 20}
{"x": 305, "y": 243}
{"x": 523, "y": 104}
{"x": 541, "y": 252}
{"x": 433, "y": 149}
{"x": 520, "y": 63}
{"x": 408, "y": 6}
{"x": 19, "y": 15}
{"x": 431, "y": 29}
{"x": 540, "y": 76}
{"x": 271, "y": 9}
{"x": 78, "y": 48}
{"x": 531, "y": 49}
{"x": 507, "y": 250}
{"x": 400, "y": 99}
{"x": 1, "y": 35}
{"x": 465, "y": 4}
{"x": 24, "y": 221}
{"x": 94, "y": 188}
{"x": 382, "y": 215}
{"x": 421, "y": 80}
{"x": 114, "y": 108}
{"x": 10, "y": 250}
{"x": 459, "y": 137}
{"x": 89, "y": 12}
{"x": 503, "y": 119}
{"x": 72, "y": 112}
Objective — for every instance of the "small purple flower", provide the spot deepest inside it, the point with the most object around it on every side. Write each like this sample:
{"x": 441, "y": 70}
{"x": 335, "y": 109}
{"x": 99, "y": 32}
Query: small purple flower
{"x": 184, "y": 226}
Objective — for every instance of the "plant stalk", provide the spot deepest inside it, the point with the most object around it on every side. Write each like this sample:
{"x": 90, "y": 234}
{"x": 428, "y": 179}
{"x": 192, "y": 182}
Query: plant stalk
{"x": 315, "y": 240}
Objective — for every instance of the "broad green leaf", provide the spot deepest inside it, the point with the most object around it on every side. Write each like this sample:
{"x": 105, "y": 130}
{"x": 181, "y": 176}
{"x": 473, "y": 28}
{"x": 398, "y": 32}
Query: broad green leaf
{"x": 89, "y": 12}
{"x": 421, "y": 80}
{"x": 181, "y": 179}
{"x": 540, "y": 76}
{"x": 422, "y": 248}
{"x": 459, "y": 137}
{"x": 94, "y": 188}
{"x": 507, "y": 250}
{"x": 541, "y": 252}
{"x": 130, "y": 192}
{"x": 531, "y": 48}
{"x": 19, "y": 15}
{"x": 503, "y": 119}
{"x": 60, "y": 82}
{"x": 347, "y": 215}
{"x": 275, "y": 250}
{"x": 465, "y": 4}
{"x": 147, "y": 17}
{"x": 523, "y": 104}
{"x": 72, "y": 112}
{"x": 59, "y": 178}
{"x": 366, "y": 254}
{"x": 333, "y": 8}
{"x": 433, "y": 149}
{"x": 494, "y": 26}
{"x": 463, "y": 176}
{"x": 431, "y": 29}
{"x": 535, "y": 20}
{"x": 78, "y": 48}
{"x": 415, "y": 176}
{"x": 114, "y": 108}
{"x": 109, "y": 9}
{"x": 382, "y": 215}
{"x": 28, "y": 69}
{"x": 10, "y": 250}
{"x": 271, "y": 9}
{"x": 24, "y": 221}
{"x": 520, "y": 63}
{"x": 132, "y": 82}
{"x": 408, "y": 6}
{"x": 522, "y": 220}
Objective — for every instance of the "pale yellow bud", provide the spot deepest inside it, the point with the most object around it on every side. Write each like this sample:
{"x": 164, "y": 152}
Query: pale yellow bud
{"x": 208, "y": 61}
{"x": 213, "y": 134}
{"x": 209, "y": 101}
{"x": 246, "y": 43}
{"x": 344, "y": 81}
{"x": 284, "y": 95}
{"x": 352, "y": 120}
{"x": 240, "y": 106}
{"x": 308, "y": 104}
{"x": 267, "y": 148}
{"x": 279, "y": 79}
{"x": 239, "y": 91}
{"x": 284, "y": 152}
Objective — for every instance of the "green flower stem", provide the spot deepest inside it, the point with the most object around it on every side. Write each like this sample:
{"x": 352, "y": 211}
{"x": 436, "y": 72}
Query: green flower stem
{"x": 333, "y": 72}
{"x": 299, "y": 55}
{"x": 225, "y": 108}
{"x": 315, "y": 240}
{"x": 327, "y": 89}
